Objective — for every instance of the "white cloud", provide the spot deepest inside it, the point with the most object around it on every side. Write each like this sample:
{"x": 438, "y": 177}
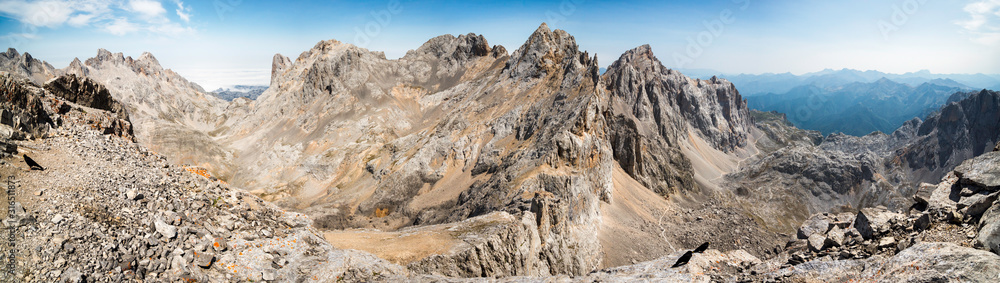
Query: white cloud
{"x": 81, "y": 20}
{"x": 38, "y": 13}
{"x": 183, "y": 12}
{"x": 147, "y": 8}
{"x": 118, "y": 17}
{"x": 121, "y": 26}
{"x": 983, "y": 24}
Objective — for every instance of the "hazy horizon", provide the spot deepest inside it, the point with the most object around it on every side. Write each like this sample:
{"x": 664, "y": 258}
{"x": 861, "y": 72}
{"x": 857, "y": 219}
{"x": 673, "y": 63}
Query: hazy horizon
{"x": 229, "y": 42}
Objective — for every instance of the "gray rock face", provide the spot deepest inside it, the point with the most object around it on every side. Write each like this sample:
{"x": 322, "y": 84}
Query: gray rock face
{"x": 927, "y": 262}
{"x": 982, "y": 171}
{"x": 279, "y": 64}
{"x": 26, "y": 66}
{"x": 648, "y": 102}
{"x": 87, "y": 92}
{"x": 989, "y": 233}
{"x": 961, "y": 130}
{"x": 779, "y": 133}
{"x": 22, "y": 108}
{"x": 168, "y": 112}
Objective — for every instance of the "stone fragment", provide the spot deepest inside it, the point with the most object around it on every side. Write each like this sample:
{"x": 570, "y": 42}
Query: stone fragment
{"x": 817, "y": 242}
{"x": 922, "y": 222}
{"x": 873, "y": 222}
{"x": 203, "y": 259}
{"x": 886, "y": 242}
{"x": 817, "y": 224}
{"x": 168, "y": 231}
{"x": 835, "y": 237}
{"x": 220, "y": 244}
{"x": 268, "y": 274}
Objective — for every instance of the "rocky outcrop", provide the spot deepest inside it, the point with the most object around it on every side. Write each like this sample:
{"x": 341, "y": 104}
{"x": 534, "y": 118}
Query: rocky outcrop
{"x": 86, "y": 92}
{"x": 32, "y": 111}
{"x": 21, "y": 107}
{"x": 279, "y": 64}
{"x": 876, "y": 169}
{"x": 453, "y": 130}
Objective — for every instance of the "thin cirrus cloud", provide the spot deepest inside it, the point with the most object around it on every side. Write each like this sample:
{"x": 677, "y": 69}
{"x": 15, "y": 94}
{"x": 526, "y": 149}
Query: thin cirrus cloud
{"x": 983, "y": 22}
{"x": 117, "y": 17}
{"x": 183, "y": 12}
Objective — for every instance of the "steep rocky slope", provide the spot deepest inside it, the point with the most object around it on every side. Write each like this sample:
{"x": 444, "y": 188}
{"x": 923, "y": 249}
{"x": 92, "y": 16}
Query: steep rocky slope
{"x": 106, "y": 209}
{"x": 170, "y": 114}
{"x": 654, "y": 110}
{"x": 433, "y": 138}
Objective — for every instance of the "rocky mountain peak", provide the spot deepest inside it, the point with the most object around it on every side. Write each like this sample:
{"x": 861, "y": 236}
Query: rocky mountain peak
{"x": 713, "y": 107}
{"x": 148, "y": 57}
{"x": 639, "y": 61}
{"x": 26, "y": 66}
{"x": 546, "y": 52}
{"x": 462, "y": 48}
{"x": 76, "y": 67}
{"x": 103, "y": 55}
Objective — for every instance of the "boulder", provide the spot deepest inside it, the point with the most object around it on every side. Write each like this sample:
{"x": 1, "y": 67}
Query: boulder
{"x": 922, "y": 222}
{"x": 924, "y": 192}
{"x": 835, "y": 237}
{"x": 976, "y": 204}
{"x": 941, "y": 262}
{"x": 982, "y": 171}
{"x": 817, "y": 242}
{"x": 872, "y": 222}
{"x": 203, "y": 259}
{"x": 817, "y": 224}
{"x": 989, "y": 234}
{"x": 945, "y": 196}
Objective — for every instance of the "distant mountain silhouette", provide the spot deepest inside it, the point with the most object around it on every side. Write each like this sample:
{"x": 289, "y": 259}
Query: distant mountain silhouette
{"x": 856, "y": 108}
{"x": 757, "y": 84}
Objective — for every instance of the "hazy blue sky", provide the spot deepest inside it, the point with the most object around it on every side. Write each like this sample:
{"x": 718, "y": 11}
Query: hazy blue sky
{"x": 222, "y": 42}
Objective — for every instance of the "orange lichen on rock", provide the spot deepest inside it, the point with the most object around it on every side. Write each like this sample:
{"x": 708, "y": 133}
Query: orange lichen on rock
{"x": 381, "y": 212}
{"x": 199, "y": 170}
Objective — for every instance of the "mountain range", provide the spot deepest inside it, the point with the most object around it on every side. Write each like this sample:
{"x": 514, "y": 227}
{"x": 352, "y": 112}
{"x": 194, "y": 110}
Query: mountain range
{"x": 249, "y": 91}
{"x": 461, "y": 159}
{"x": 856, "y": 108}
{"x": 754, "y": 84}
